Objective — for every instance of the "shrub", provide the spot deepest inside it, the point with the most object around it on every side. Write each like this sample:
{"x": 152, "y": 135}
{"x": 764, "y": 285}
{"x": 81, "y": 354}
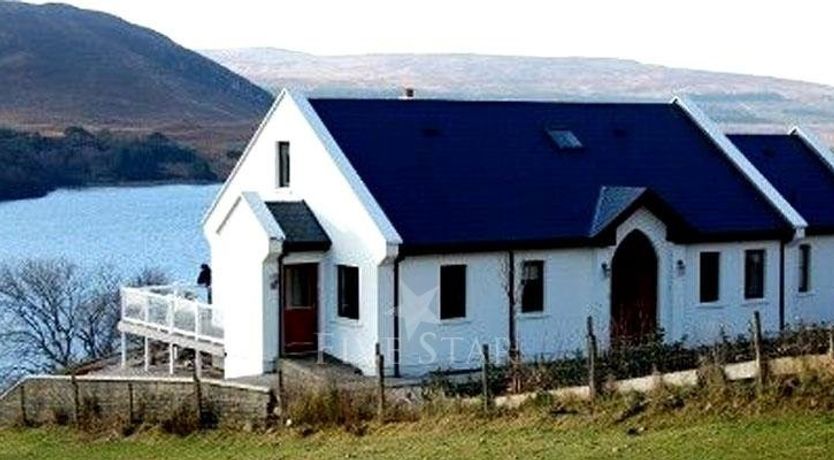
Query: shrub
{"x": 331, "y": 406}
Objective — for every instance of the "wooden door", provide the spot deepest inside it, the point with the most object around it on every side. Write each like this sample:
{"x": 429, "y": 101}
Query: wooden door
{"x": 300, "y": 310}
{"x": 633, "y": 290}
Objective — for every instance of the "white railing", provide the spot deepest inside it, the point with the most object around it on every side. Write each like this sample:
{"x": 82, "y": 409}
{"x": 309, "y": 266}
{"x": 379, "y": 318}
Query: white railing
{"x": 175, "y": 309}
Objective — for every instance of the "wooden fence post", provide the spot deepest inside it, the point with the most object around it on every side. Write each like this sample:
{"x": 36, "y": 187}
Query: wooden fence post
{"x": 131, "y": 416}
{"x": 198, "y": 396}
{"x": 75, "y": 402}
{"x": 281, "y": 394}
{"x": 23, "y": 419}
{"x": 593, "y": 382}
{"x": 831, "y": 341}
{"x": 761, "y": 360}
{"x": 485, "y": 378}
{"x": 515, "y": 362}
{"x": 380, "y": 382}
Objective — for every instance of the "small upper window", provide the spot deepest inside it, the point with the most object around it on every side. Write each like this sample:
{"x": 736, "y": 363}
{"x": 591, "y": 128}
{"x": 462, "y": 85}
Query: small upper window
{"x": 532, "y": 286}
{"x": 452, "y": 291}
{"x": 754, "y": 274}
{"x": 709, "y": 272}
{"x": 283, "y": 164}
{"x": 348, "y": 285}
{"x": 564, "y": 139}
{"x": 804, "y": 267}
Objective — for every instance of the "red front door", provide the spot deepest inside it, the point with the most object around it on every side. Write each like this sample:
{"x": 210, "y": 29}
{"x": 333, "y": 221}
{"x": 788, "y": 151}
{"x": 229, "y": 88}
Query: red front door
{"x": 300, "y": 309}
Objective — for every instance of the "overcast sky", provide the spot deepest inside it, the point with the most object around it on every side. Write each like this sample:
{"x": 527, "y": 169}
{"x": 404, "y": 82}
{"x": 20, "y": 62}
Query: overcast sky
{"x": 789, "y": 39}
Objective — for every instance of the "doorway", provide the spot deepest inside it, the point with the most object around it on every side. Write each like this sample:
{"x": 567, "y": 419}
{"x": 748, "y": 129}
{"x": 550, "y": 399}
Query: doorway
{"x": 633, "y": 290}
{"x": 300, "y": 309}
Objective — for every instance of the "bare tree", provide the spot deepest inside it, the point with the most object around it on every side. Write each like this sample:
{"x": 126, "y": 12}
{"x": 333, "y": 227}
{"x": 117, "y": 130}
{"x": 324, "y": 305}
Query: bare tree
{"x": 100, "y": 314}
{"x": 54, "y": 315}
{"x": 150, "y": 276}
{"x": 40, "y": 309}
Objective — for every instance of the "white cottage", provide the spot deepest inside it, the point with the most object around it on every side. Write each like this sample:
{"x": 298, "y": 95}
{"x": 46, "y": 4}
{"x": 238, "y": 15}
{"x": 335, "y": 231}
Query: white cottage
{"x": 430, "y": 227}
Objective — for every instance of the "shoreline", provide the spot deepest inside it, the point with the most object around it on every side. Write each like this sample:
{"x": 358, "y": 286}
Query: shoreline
{"x": 120, "y": 184}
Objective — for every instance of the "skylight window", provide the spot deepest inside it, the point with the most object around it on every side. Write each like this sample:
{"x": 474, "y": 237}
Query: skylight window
{"x": 564, "y": 139}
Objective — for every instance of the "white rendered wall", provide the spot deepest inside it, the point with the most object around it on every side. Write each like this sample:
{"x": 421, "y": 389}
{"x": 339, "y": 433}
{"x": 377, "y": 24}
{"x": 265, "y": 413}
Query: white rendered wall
{"x": 575, "y": 287}
{"x": 428, "y": 343}
{"x": 816, "y": 305}
{"x": 572, "y": 277}
{"x": 351, "y": 340}
{"x": 704, "y": 323}
{"x": 240, "y": 273}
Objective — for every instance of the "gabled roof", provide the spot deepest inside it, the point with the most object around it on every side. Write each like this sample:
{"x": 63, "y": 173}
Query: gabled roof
{"x": 302, "y": 231}
{"x": 458, "y": 174}
{"x": 613, "y": 202}
{"x": 803, "y": 177}
{"x": 616, "y": 204}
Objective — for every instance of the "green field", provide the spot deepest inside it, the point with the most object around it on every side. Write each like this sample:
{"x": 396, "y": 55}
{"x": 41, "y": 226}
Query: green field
{"x": 784, "y": 436}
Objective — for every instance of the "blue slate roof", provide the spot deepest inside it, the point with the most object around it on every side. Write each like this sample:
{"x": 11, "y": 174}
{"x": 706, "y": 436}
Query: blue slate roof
{"x": 797, "y": 172}
{"x": 300, "y": 226}
{"x": 613, "y": 202}
{"x": 459, "y": 174}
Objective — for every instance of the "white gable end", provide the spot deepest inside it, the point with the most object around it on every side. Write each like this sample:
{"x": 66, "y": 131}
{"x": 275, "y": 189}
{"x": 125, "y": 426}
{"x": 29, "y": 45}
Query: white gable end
{"x": 320, "y": 174}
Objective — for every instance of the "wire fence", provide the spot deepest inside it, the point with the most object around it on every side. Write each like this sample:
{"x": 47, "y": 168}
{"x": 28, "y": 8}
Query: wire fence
{"x": 634, "y": 357}
{"x": 70, "y": 399}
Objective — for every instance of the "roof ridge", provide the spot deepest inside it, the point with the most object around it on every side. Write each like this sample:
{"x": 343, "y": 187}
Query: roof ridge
{"x": 494, "y": 101}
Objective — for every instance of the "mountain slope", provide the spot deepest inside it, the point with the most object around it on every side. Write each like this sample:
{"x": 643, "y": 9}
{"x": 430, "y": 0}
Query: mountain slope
{"x": 63, "y": 66}
{"x": 738, "y": 101}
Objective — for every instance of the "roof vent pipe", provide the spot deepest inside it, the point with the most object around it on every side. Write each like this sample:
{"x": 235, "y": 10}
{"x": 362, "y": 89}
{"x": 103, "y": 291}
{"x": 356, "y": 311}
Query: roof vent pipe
{"x": 408, "y": 93}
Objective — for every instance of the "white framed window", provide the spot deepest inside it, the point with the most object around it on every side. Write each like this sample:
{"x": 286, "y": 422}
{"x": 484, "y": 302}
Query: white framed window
{"x": 348, "y": 291}
{"x": 282, "y": 164}
{"x": 452, "y": 291}
{"x": 709, "y": 277}
{"x": 754, "y": 274}
{"x": 804, "y": 268}
{"x": 532, "y": 286}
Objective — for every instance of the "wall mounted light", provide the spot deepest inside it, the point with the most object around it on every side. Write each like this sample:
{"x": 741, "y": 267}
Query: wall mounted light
{"x": 681, "y": 266}
{"x": 606, "y": 269}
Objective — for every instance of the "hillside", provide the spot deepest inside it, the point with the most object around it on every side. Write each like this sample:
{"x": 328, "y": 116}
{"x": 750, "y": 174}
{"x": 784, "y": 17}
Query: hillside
{"x": 738, "y": 101}
{"x": 62, "y": 66}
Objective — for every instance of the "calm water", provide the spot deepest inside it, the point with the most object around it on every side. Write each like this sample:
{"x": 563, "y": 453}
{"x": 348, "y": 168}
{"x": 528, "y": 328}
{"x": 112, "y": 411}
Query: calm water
{"x": 126, "y": 227}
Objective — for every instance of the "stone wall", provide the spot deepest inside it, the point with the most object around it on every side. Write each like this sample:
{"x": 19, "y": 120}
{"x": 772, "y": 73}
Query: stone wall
{"x": 62, "y": 399}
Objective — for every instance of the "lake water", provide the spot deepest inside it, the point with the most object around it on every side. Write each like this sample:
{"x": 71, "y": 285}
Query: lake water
{"x": 127, "y": 227}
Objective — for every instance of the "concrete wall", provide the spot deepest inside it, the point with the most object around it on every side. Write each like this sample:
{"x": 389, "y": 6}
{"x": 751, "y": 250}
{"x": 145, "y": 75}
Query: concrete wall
{"x": 47, "y": 399}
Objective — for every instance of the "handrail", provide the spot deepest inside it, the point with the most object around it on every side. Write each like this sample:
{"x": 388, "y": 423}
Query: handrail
{"x": 172, "y": 313}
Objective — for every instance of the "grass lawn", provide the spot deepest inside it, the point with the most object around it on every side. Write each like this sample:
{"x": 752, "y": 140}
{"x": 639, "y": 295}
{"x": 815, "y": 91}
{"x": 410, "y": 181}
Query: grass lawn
{"x": 777, "y": 436}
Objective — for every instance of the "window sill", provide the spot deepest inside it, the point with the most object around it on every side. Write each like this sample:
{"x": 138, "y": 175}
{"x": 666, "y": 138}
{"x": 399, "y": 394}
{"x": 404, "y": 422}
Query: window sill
{"x": 346, "y": 322}
{"x": 532, "y": 315}
{"x": 806, "y": 294}
{"x": 711, "y": 305}
{"x": 455, "y": 321}
{"x": 754, "y": 302}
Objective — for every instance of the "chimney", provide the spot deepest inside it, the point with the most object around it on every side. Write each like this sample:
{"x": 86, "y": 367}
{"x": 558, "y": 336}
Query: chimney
{"x": 408, "y": 93}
